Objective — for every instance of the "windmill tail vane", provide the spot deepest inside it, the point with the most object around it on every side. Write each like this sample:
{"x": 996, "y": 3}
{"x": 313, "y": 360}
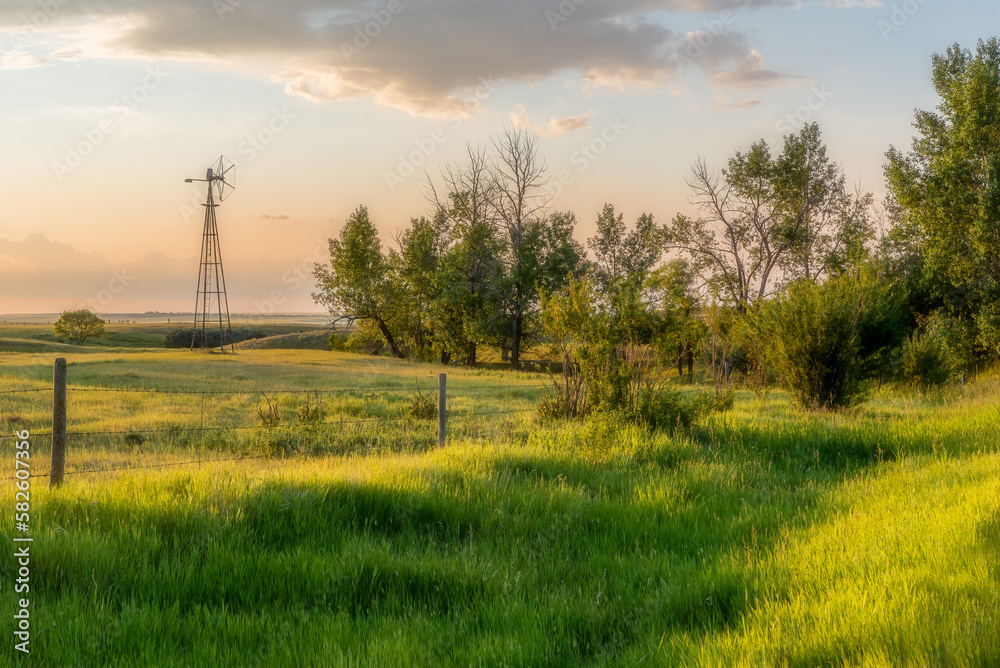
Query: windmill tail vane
{"x": 211, "y": 301}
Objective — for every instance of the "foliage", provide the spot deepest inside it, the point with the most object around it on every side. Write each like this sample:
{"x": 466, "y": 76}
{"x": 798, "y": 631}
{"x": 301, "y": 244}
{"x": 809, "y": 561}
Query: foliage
{"x": 311, "y": 411}
{"x": 423, "y": 406}
{"x": 814, "y": 343}
{"x": 948, "y": 190}
{"x": 78, "y": 326}
{"x": 621, "y": 256}
{"x": 666, "y": 409}
{"x": 764, "y": 213}
{"x": 361, "y": 283}
{"x": 927, "y": 361}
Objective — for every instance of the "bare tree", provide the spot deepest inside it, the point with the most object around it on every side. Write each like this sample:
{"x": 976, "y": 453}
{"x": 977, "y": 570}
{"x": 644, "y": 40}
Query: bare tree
{"x": 467, "y": 201}
{"x": 738, "y": 241}
{"x": 517, "y": 177}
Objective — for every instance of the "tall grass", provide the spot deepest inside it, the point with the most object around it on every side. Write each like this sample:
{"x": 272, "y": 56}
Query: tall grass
{"x": 763, "y": 536}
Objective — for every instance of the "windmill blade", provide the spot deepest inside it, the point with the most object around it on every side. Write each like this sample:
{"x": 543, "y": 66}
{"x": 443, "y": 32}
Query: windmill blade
{"x": 226, "y": 175}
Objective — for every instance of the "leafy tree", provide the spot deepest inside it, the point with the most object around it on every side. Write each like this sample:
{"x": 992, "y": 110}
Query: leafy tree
{"x": 622, "y": 256}
{"x": 762, "y": 215}
{"x": 948, "y": 189}
{"x": 673, "y": 288}
{"x": 825, "y": 224}
{"x": 78, "y": 326}
{"x": 361, "y": 283}
{"x": 422, "y": 247}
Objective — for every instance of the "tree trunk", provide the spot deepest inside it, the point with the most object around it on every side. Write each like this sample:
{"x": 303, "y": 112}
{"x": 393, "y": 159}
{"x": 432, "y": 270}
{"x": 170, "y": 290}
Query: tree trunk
{"x": 680, "y": 360}
{"x": 470, "y": 357}
{"x": 515, "y": 343}
{"x": 690, "y": 356}
{"x": 445, "y": 357}
{"x": 393, "y": 347}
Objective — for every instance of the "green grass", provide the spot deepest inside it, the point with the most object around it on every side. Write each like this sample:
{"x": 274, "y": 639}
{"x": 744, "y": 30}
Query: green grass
{"x": 764, "y": 537}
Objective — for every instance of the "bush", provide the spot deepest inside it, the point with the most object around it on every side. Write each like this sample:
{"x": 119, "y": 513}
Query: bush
{"x": 338, "y": 341}
{"x": 927, "y": 361}
{"x": 311, "y": 412}
{"x": 667, "y": 410}
{"x": 814, "y": 342}
{"x": 424, "y": 406}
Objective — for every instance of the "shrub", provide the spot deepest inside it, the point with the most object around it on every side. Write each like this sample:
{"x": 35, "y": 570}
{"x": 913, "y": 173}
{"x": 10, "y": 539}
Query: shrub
{"x": 134, "y": 438}
{"x": 311, "y": 412}
{"x": 667, "y": 410}
{"x": 424, "y": 406}
{"x": 926, "y": 360}
{"x": 814, "y": 344}
{"x": 338, "y": 341}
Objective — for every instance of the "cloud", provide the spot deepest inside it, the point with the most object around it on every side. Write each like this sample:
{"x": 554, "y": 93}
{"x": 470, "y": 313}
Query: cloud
{"x": 750, "y": 73}
{"x": 723, "y": 102}
{"x": 426, "y": 57}
{"x": 282, "y": 216}
{"x": 848, "y": 4}
{"x": 555, "y": 126}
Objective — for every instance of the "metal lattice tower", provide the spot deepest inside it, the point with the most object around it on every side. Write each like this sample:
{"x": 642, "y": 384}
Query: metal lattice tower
{"x": 211, "y": 297}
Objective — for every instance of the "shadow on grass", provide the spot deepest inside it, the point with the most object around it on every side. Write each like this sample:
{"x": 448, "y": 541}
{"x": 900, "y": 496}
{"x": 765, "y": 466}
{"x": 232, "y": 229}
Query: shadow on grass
{"x": 575, "y": 577}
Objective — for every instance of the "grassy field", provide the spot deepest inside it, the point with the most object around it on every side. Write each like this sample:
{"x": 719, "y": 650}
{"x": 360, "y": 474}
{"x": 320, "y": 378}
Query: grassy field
{"x": 764, "y": 537}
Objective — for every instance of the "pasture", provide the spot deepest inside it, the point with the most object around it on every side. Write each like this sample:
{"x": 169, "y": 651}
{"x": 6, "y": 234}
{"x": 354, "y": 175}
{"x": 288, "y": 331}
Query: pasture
{"x": 764, "y": 536}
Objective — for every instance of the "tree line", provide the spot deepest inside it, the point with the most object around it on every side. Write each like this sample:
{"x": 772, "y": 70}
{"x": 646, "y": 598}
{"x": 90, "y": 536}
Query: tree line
{"x": 787, "y": 274}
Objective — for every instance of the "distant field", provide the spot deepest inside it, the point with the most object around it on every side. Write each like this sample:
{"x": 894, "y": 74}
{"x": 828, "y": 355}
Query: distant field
{"x": 764, "y": 537}
{"x": 37, "y": 337}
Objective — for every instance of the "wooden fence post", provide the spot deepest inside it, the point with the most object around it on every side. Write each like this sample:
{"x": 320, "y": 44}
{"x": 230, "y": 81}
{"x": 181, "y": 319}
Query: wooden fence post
{"x": 442, "y": 408}
{"x": 58, "y": 465}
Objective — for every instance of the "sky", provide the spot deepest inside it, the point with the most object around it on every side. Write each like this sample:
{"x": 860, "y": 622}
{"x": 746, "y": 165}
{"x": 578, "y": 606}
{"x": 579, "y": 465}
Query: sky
{"x": 106, "y": 107}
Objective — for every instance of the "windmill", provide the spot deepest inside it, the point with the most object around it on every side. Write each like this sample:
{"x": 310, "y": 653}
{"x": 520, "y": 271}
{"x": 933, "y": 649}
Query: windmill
{"x": 221, "y": 179}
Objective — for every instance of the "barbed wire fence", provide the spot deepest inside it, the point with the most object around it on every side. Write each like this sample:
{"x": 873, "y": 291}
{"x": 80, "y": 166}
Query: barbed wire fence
{"x": 198, "y": 400}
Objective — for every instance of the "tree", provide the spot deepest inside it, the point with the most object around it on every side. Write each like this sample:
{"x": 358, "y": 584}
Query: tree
{"x": 738, "y": 241}
{"x": 360, "y": 283}
{"x": 466, "y": 310}
{"x": 78, "y": 326}
{"x": 422, "y": 247}
{"x": 948, "y": 189}
{"x": 622, "y": 256}
{"x": 764, "y": 214}
{"x": 673, "y": 288}
{"x": 812, "y": 198}
{"x": 518, "y": 198}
